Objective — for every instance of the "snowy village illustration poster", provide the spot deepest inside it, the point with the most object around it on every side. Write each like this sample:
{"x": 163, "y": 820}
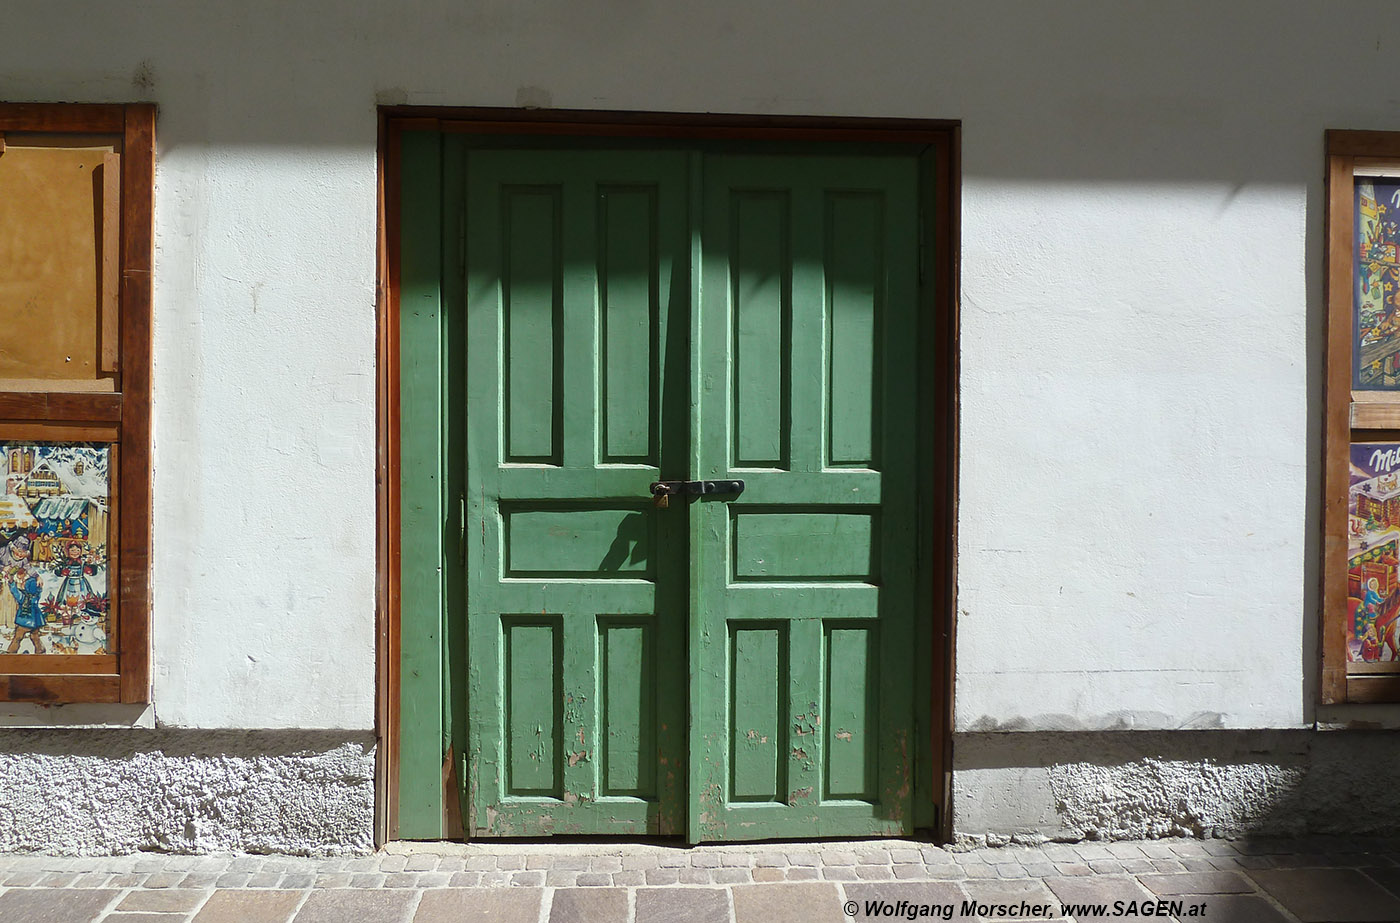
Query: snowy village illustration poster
{"x": 54, "y": 514}
{"x": 1377, "y": 284}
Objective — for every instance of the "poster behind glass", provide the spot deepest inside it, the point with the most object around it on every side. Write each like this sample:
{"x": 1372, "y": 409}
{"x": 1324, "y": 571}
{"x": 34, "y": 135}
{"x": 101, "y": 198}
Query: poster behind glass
{"x": 1376, "y": 284}
{"x": 54, "y": 512}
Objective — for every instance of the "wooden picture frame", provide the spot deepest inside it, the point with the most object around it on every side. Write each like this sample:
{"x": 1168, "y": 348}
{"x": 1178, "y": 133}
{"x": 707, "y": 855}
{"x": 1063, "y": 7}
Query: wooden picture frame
{"x": 118, "y": 415}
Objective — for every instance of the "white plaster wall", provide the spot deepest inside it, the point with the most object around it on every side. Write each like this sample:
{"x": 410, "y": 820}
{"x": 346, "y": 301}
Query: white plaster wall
{"x": 1141, "y": 313}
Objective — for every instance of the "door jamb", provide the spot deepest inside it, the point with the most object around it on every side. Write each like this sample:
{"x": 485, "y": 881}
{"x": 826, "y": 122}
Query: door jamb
{"x": 942, "y": 137}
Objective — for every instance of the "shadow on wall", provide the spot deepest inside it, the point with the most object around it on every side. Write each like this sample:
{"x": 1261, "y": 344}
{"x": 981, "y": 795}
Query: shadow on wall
{"x": 1144, "y": 784}
{"x": 1079, "y": 93}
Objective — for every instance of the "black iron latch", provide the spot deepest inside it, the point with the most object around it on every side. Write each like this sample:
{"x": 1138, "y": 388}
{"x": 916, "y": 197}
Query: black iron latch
{"x": 663, "y": 491}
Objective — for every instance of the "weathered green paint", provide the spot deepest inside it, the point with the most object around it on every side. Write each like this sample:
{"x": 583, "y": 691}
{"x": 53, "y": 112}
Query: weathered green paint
{"x": 852, "y": 256}
{"x": 576, "y": 284}
{"x": 531, "y": 272}
{"x": 532, "y": 650}
{"x": 564, "y": 539}
{"x": 421, "y": 702}
{"x": 758, "y": 655}
{"x": 816, "y": 545}
{"x": 706, "y": 730}
{"x": 627, "y": 662}
{"x": 760, "y": 299}
{"x": 628, "y": 355}
{"x": 454, "y": 229}
{"x": 851, "y": 731}
{"x": 803, "y": 587}
{"x": 615, "y": 318}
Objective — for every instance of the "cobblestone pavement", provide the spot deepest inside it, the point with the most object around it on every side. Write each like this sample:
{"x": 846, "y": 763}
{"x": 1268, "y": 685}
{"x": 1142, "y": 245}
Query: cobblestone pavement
{"x": 1243, "y": 881}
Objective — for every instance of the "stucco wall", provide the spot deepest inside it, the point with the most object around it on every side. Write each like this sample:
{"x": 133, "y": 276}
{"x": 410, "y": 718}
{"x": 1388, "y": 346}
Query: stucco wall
{"x": 1122, "y": 785}
{"x": 95, "y": 792}
{"x": 1141, "y": 319}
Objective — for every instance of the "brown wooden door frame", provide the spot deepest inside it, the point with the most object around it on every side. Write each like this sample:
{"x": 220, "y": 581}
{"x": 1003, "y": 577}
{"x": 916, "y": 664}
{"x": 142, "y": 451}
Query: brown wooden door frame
{"x": 939, "y": 250}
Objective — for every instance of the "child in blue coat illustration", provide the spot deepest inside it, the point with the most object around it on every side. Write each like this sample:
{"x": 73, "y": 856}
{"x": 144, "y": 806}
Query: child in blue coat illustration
{"x": 24, "y": 586}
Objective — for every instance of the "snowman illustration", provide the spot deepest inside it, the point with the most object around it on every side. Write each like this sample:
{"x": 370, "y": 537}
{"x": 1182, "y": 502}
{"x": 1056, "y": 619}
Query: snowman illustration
{"x": 87, "y": 635}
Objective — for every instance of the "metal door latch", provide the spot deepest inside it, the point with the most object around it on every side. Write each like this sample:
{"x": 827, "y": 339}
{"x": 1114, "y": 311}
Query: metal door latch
{"x": 663, "y": 491}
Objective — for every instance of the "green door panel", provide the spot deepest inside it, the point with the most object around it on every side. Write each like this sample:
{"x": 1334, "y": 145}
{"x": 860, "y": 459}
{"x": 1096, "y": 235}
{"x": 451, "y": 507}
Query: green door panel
{"x": 576, "y": 288}
{"x": 577, "y": 324}
{"x": 802, "y": 662}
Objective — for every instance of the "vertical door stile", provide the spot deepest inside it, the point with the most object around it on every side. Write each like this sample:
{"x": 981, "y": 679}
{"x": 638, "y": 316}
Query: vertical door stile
{"x": 420, "y": 807}
{"x": 929, "y": 790}
{"x": 705, "y": 691}
{"x": 806, "y": 389}
{"x": 576, "y": 357}
{"x": 711, "y": 701}
{"x": 897, "y": 296}
{"x": 484, "y": 447}
{"x": 453, "y": 464}
{"x": 670, "y": 421}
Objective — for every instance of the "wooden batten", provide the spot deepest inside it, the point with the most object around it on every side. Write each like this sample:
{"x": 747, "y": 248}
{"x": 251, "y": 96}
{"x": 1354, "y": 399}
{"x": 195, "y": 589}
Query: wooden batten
{"x": 109, "y": 313}
{"x": 59, "y": 688}
{"x": 26, "y": 430}
{"x": 60, "y": 406}
{"x": 61, "y": 664}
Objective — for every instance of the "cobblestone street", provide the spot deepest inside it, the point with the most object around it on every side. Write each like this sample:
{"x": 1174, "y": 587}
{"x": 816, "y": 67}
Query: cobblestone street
{"x": 1248, "y": 881}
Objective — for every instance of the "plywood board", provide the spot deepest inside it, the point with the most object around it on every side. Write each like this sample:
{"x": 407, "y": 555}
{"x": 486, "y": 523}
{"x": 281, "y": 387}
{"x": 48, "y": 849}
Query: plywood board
{"x": 51, "y": 256}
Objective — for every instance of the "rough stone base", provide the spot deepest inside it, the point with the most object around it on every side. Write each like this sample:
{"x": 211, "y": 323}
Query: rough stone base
{"x": 97, "y": 792}
{"x": 93, "y": 792}
{"x": 1032, "y": 787}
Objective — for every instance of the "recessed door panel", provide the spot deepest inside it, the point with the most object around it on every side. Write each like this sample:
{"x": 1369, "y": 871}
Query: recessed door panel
{"x": 629, "y": 290}
{"x": 531, "y": 274}
{"x": 760, "y": 284}
{"x": 791, "y": 543}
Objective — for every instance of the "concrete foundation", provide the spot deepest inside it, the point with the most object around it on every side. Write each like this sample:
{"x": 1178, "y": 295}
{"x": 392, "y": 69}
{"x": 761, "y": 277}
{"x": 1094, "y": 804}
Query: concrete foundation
{"x": 91, "y": 792}
{"x": 1030, "y": 787}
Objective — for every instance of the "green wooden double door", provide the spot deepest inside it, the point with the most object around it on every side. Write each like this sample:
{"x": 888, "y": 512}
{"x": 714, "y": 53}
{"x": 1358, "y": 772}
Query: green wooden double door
{"x": 725, "y": 665}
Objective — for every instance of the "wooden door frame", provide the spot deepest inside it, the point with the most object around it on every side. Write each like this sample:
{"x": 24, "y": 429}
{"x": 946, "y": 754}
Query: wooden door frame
{"x": 939, "y": 250}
